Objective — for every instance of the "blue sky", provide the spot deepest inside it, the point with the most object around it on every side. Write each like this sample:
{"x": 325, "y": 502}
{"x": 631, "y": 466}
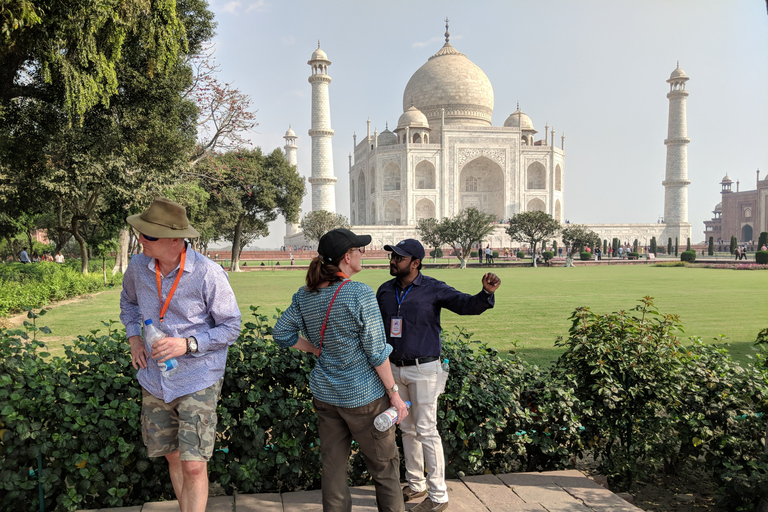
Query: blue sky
{"x": 594, "y": 70}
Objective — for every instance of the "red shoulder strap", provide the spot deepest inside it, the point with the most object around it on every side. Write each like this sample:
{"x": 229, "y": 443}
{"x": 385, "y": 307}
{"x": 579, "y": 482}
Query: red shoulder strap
{"x": 327, "y": 313}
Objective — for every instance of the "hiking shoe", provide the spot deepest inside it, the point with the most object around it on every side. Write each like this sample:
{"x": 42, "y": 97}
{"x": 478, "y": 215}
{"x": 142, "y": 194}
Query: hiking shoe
{"x": 429, "y": 506}
{"x": 409, "y": 494}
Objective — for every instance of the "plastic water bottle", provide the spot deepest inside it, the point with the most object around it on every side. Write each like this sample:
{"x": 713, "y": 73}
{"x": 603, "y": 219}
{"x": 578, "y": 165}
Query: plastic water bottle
{"x": 388, "y": 418}
{"x": 153, "y": 334}
{"x": 444, "y": 379}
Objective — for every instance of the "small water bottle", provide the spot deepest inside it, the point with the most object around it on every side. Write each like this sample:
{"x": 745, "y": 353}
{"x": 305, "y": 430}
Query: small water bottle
{"x": 444, "y": 378}
{"x": 388, "y": 418}
{"x": 153, "y": 334}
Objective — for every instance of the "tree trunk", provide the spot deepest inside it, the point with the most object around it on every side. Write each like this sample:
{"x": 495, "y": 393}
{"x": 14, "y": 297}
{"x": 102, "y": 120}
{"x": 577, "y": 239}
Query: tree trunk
{"x": 121, "y": 258}
{"x": 83, "y": 247}
{"x": 104, "y": 269}
{"x": 533, "y": 253}
{"x": 569, "y": 260}
{"x": 235, "y": 267}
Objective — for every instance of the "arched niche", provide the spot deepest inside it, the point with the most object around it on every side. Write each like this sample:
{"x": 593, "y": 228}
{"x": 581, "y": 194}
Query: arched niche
{"x": 361, "y": 198}
{"x": 536, "y": 176}
{"x": 352, "y": 190}
{"x": 558, "y": 211}
{"x": 373, "y": 213}
{"x": 392, "y": 212}
{"x": 558, "y": 178}
{"x": 536, "y": 205}
{"x": 391, "y": 176}
{"x": 481, "y": 185}
{"x": 425, "y": 175}
{"x": 425, "y": 209}
{"x": 372, "y": 177}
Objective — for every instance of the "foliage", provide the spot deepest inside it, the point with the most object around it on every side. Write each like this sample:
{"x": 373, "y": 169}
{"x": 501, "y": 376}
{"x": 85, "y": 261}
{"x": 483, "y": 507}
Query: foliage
{"x": 473, "y": 254}
{"x": 532, "y": 228}
{"x": 317, "y": 223}
{"x": 37, "y": 284}
{"x": 633, "y": 255}
{"x": 585, "y": 256}
{"x": 669, "y": 245}
{"x": 688, "y": 256}
{"x": 520, "y": 255}
{"x": 548, "y": 255}
{"x": 429, "y": 233}
{"x": 711, "y": 246}
{"x": 468, "y": 228}
{"x": 688, "y": 244}
{"x": 761, "y": 257}
{"x": 734, "y": 244}
{"x": 623, "y": 367}
{"x": 653, "y": 247}
{"x": 436, "y": 253}
{"x": 763, "y": 239}
{"x": 577, "y": 237}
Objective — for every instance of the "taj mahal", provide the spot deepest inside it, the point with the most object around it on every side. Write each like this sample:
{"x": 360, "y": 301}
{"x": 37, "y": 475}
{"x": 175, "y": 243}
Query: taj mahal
{"x": 445, "y": 155}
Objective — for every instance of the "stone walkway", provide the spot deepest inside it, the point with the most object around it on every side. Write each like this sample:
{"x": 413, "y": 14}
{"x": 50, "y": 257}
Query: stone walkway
{"x": 553, "y": 491}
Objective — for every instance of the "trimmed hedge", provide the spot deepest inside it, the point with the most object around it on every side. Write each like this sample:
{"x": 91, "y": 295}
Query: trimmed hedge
{"x": 688, "y": 256}
{"x": 520, "y": 255}
{"x": 761, "y": 257}
{"x": 585, "y": 256}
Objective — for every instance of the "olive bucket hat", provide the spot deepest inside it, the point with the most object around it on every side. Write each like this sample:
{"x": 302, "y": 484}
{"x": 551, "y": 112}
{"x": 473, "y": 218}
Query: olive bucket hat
{"x": 163, "y": 219}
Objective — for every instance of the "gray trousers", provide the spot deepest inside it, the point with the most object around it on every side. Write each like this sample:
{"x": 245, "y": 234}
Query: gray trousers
{"x": 337, "y": 427}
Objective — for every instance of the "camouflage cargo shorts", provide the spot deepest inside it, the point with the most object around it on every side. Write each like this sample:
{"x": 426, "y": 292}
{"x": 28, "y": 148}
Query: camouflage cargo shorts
{"x": 186, "y": 425}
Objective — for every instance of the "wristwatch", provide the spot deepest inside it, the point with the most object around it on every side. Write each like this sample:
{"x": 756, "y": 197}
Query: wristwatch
{"x": 391, "y": 391}
{"x": 191, "y": 345}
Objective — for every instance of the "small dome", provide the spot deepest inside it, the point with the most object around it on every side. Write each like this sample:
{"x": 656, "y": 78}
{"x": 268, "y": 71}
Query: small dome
{"x": 719, "y": 207}
{"x": 387, "y": 138}
{"x": 290, "y": 132}
{"x": 518, "y": 119}
{"x": 412, "y": 118}
{"x": 678, "y": 73}
{"x": 319, "y": 54}
{"x": 727, "y": 179}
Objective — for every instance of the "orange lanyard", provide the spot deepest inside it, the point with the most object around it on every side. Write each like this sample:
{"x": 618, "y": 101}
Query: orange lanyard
{"x": 173, "y": 288}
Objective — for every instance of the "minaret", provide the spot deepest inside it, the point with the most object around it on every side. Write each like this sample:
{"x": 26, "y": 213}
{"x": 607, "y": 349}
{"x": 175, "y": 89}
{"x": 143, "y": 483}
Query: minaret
{"x": 676, "y": 180}
{"x": 322, "y": 180}
{"x": 290, "y": 155}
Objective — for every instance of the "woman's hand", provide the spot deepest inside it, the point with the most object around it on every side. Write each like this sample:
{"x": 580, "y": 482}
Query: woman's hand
{"x": 397, "y": 402}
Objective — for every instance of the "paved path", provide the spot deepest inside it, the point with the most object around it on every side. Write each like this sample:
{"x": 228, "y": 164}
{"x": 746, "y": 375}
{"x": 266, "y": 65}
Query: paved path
{"x": 553, "y": 491}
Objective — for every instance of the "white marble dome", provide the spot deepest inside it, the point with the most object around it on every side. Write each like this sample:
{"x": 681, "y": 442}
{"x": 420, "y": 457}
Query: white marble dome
{"x": 519, "y": 119}
{"x": 318, "y": 54}
{"x": 678, "y": 73}
{"x": 387, "y": 138}
{"x": 450, "y": 81}
{"x": 413, "y": 118}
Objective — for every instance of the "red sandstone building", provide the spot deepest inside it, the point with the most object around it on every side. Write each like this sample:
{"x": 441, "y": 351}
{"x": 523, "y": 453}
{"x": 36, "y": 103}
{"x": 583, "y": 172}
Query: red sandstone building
{"x": 740, "y": 214}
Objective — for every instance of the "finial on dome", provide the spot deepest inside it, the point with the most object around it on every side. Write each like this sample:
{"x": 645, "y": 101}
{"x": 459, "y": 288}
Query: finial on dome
{"x": 447, "y": 34}
{"x": 318, "y": 44}
{"x": 386, "y": 125}
{"x": 518, "y": 105}
{"x": 678, "y": 63}
{"x": 412, "y": 105}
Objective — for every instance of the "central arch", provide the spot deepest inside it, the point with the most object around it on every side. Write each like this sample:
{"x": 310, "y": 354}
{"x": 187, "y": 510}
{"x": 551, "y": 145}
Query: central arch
{"x": 481, "y": 185}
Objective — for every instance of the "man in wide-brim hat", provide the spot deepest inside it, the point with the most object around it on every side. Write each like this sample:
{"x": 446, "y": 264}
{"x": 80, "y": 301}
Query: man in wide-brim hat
{"x": 188, "y": 297}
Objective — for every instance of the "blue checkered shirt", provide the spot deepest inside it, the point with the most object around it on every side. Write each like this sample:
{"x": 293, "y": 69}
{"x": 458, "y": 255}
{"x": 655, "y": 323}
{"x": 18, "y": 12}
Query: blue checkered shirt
{"x": 353, "y": 346}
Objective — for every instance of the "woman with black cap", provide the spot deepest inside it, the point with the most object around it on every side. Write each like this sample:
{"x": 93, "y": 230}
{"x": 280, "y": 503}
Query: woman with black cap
{"x": 338, "y": 320}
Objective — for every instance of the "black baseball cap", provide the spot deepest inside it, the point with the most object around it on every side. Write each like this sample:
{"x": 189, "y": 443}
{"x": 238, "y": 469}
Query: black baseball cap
{"x": 335, "y": 243}
{"x": 407, "y": 247}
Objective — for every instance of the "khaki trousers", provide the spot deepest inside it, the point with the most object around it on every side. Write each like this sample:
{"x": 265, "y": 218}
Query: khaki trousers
{"x": 422, "y": 445}
{"x": 337, "y": 427}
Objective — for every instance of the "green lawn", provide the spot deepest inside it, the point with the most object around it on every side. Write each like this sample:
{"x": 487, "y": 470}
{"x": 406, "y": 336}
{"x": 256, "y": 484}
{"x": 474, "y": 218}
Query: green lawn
{"x": 532, "y": 305}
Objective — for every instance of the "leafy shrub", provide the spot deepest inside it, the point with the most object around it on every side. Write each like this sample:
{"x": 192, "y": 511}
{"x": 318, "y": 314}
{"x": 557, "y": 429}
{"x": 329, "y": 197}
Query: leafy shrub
{"x": 548, "y": 255}
{"x": 585, "y": 256}
{"x": 520, "y": 255}
{"x": 761, "y": 257}
{"x": 688, "y": 256}
{"x": 495, "y": 254}
{"x": 473, "y": 254}
{"x": 633, "y": 255}
{"x": 439, "y": 252}
{"x": 623, "y": 368}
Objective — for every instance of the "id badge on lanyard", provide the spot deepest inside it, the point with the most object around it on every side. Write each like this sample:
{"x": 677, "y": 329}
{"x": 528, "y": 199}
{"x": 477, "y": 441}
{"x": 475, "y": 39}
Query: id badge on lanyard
{"x": 396, "y": 326}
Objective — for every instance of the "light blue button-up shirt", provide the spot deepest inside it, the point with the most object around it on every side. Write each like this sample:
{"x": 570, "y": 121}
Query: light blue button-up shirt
{"x": 203, "y": 306}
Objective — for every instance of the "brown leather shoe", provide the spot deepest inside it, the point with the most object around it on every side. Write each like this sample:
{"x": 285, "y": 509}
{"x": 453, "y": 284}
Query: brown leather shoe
{"x": 429, "y": 506}
{"x": 410, "y": 495}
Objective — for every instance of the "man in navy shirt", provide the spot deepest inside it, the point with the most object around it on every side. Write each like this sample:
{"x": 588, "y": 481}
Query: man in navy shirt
{"x": 410, "y": 307}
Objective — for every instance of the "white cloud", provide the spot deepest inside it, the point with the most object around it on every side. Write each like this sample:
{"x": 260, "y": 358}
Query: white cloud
{"x": 430, "y": 42}
{"x": 231, "y": 7}
{"x": 300, "y": 93}
{"x": 259, "y": 5}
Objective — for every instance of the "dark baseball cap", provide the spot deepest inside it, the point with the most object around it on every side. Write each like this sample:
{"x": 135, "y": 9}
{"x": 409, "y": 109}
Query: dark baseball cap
{"x": 335, "y": 243}
{"x": 407, "y": 247}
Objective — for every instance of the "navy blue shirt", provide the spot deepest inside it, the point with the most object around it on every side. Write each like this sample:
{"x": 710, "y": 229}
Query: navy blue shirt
{"x": 420, "y": 310}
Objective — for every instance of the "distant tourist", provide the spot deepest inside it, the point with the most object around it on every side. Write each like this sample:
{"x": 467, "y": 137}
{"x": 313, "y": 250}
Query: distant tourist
{"x": 59, "y": 258}
{"x": 23, "y": 256}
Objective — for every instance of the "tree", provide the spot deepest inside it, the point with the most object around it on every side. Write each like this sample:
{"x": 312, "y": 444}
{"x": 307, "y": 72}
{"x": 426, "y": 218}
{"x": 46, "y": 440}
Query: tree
{"x": 67, "y": 52}
{"x": 669, "y": 245}
{"x": 532, "y": 228}
{"x": 461, "y": 232}
{"x": 734, "y": 243}
{"x": 653, "y": 247}
{"x": 711, "y": 246}
{"x": 316, "y": 224}
{"x": 429, "y": 232}
{"x": 688, "y": 244}
{"x": 576, "y": 237}
{"x": 763, "y": 240}
{"x": 257, "y": 188}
